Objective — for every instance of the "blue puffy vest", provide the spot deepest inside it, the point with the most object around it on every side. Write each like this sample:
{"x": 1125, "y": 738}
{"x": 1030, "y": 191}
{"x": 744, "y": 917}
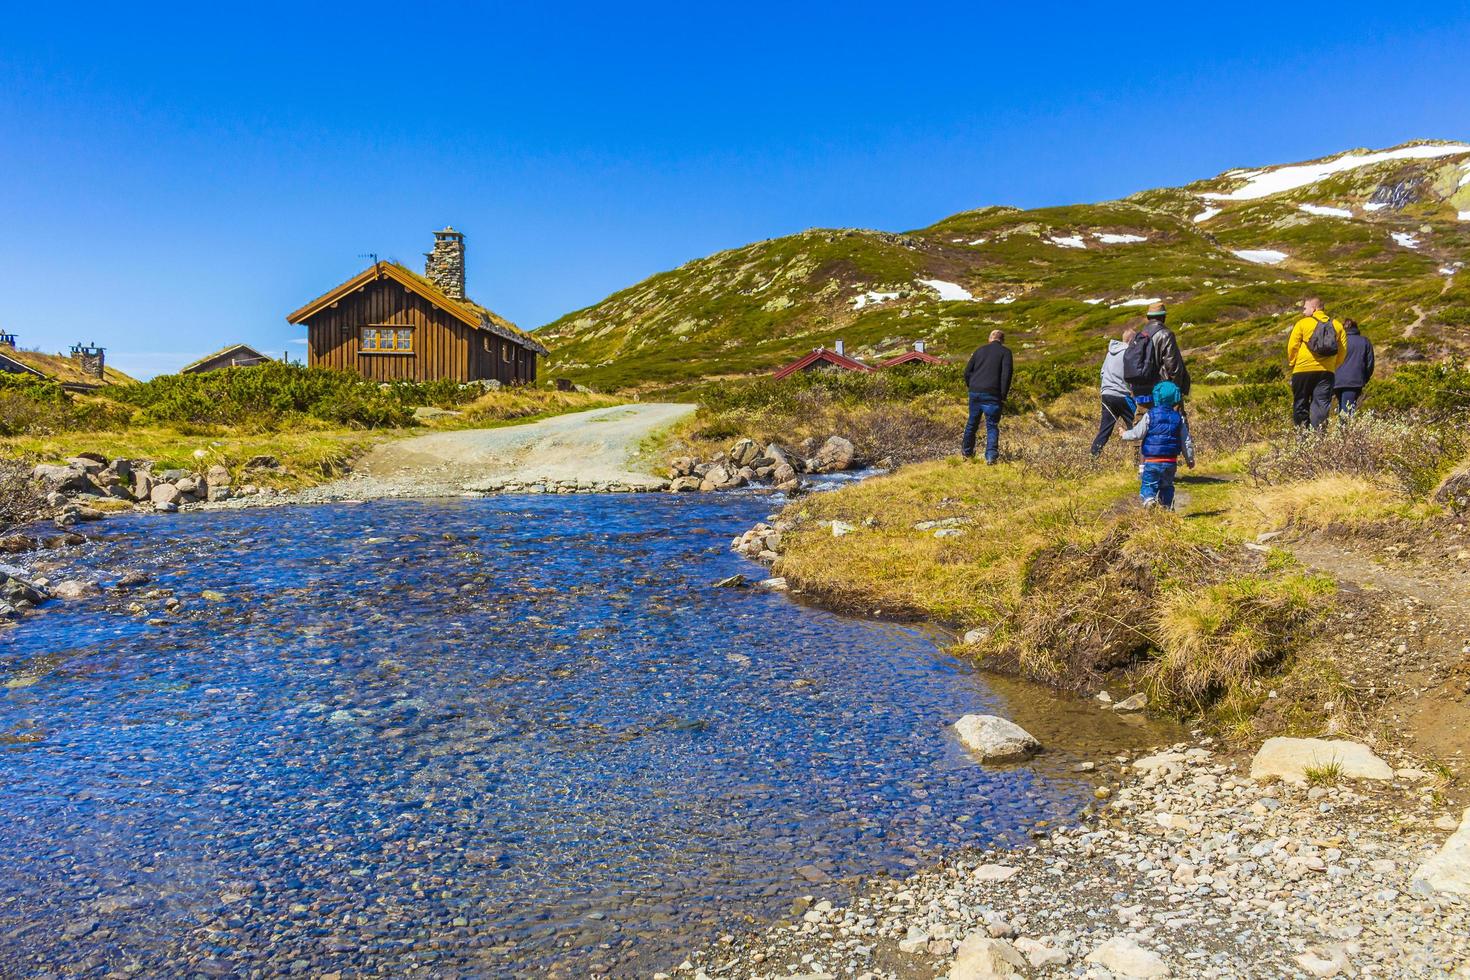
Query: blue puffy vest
{"x": 1165, "y": 436}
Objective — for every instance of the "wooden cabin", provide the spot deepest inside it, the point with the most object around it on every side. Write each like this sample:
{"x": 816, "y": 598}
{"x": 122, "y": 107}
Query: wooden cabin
{"x": 388, "y": 323}
{"x": 236, "y": 355}
{"x": 822, "y": 358}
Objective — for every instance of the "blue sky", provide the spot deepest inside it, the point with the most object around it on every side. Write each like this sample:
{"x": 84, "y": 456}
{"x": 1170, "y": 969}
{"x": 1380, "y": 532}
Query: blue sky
{"x": 178, "y": 178}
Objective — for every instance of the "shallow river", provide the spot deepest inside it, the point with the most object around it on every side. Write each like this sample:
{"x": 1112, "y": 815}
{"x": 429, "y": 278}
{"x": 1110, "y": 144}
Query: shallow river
{"x": 504, "y": 736}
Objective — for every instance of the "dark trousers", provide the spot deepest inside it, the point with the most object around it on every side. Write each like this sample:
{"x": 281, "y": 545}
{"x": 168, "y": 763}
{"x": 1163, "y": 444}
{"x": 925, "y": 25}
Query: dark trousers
{"x": 1347, "y": 400}
{"x": 1115, "y": 409}
{"x": 1311, "y": 397}
{"x": 987, "y": 406}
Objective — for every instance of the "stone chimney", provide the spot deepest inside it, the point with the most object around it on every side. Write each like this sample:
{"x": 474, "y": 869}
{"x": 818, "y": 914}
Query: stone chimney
{"x": 445, "y": 265}
{"x": 91, "y": 358}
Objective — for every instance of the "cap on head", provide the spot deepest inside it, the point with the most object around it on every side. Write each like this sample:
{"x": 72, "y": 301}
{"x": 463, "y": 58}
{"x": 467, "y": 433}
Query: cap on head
{"x": 1157, "y": 309}
{"x": 1166, "y": 393}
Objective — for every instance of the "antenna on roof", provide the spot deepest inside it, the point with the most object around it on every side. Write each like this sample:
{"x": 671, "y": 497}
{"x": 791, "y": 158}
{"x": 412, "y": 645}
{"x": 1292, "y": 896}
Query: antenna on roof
{"x": 370, "y": 255}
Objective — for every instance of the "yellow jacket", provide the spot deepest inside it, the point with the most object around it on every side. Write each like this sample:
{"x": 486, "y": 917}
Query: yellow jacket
{"x": 1301, "y": 357}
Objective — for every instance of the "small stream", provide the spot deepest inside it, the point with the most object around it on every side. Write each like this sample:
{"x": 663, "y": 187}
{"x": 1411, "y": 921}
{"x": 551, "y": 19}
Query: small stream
{"x": 471, "y": 737}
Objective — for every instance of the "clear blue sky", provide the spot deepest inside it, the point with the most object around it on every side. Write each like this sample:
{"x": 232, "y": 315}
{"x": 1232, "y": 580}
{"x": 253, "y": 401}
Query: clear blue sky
{"x": 172, "y": 180}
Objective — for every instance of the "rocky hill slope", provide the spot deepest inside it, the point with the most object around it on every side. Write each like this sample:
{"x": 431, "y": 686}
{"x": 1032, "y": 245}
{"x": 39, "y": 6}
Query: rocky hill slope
{"x": 1383, "y": 235}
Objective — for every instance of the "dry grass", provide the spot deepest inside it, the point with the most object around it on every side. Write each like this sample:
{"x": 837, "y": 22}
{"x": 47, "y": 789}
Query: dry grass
{"x": 1344, "y": 502}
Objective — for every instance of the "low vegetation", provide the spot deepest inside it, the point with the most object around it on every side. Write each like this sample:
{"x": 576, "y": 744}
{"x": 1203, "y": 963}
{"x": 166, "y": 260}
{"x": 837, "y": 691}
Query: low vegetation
{"x": 1069, "y": 582}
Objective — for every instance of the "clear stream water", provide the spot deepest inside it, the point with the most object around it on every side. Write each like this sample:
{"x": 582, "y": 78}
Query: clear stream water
{"x": 489, "y": 737}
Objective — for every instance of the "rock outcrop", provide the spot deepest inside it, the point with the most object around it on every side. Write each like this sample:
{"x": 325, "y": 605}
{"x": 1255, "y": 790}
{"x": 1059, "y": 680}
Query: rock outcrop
{"x": 1449, "y": 870}
{"x": 994, "y": 739}
{"x": 1293, "y": 759}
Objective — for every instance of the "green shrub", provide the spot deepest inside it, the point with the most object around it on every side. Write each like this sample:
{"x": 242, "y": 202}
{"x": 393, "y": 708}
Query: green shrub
{"x": 1436, "y": 389}
{"x": 268, "y": 396}
{"x": 36, "y": 406}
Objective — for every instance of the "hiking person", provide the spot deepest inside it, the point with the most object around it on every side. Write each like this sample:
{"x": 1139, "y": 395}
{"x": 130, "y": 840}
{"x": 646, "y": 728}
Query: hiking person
{"x": 1117, "y": 397}
{"x": 988, "y": 376}
{"x": 1355, "y": 371}
{"x": 1152, "y": 356}
{"x": 1164, "y": 432}
{"x": 1314, "y": 350}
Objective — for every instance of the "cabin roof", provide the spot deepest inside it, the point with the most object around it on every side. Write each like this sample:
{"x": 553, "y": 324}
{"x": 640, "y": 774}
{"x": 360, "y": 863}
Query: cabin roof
{"x": 821, "y": 354}
{"x": 63, "y": 369}
{"x": 249, "y": 351}
{"x": 466, "y": 311}
{"x": 910, "y": 356}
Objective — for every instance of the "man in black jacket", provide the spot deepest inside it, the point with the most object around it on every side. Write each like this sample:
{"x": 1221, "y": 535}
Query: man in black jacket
{"x": 1356, "y": 370}
{"x": 988, "y": 376}
{"x": 1165, "y": 361}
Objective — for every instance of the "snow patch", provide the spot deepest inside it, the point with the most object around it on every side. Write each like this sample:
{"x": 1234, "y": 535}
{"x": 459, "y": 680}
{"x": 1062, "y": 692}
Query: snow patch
{"x": 1070, "y": 241}
{"x": 947, "y": 290}
{"x": 1325, "y": 212}
{"x": 1133, "y": 302}
{"x": 1261, "y": 256}
{"x": 1094, "y": 302}
{"x": 1206, "y": 215}
{"x": 978, "y": 241}
{"x": 1405, "y": 239}
{"x": 1108, "y": 239}
{"x": 1264, "y": 183}
{"x": 1374, "y": 207}
{"x": 1464, "y": 215}
{"x": 871, "y": 297}
{"x": 1004, "y": 300}
{"x": 1451, "y": 269}
{"x": 1464, "y": 178}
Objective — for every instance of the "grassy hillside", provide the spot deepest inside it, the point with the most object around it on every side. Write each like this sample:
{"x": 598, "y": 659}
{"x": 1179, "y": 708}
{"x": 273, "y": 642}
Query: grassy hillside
{"x": 1058, "y": 279}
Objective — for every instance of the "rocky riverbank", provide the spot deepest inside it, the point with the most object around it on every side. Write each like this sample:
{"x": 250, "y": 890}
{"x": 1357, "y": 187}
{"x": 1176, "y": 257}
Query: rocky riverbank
{"x": 1189, "y": 866}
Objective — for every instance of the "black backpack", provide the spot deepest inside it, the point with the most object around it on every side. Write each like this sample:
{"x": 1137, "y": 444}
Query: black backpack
{"x": 1323, "y": 341}
{"x": 1141, "y": 360}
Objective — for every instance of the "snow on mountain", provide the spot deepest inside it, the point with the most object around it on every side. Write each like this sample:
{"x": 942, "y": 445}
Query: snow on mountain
{"x": 1109, "y": 239}
{"x": 1069, "y": 241}
{"x": 947, "y": 290}
{"x": 1261, "y": 256}
{"x": 1264, "y": 183}
{"x": 1405, "y": 239}
{"x": 1326, "y": 212}
{"x": 1206, "y": 215}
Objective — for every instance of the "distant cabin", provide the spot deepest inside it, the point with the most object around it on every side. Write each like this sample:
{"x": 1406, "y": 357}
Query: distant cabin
{"x": 822, "y": 359}
{"x": 916, "y": 357}
{"x": 236, "y": 355}
{"x": 85, "y": 369}
{"x": 388, "y": 323}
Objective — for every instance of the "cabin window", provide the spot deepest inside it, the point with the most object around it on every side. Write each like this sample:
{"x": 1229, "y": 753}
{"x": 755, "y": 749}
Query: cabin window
{"x": 505, "y": 352}
{"x": 386, "y": 339}
{"x": 486, "y": 342}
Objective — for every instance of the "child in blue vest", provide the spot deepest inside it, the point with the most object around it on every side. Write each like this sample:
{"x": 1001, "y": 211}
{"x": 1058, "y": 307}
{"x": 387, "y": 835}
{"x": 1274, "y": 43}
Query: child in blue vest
{"x": 1165, "y": 434}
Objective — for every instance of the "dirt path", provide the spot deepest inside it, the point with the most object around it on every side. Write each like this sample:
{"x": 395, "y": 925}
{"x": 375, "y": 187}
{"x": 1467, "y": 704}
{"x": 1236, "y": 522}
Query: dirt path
{"x": 596, "y": 447}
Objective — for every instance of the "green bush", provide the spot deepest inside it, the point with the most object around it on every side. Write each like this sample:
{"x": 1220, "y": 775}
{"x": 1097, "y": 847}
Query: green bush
{"x": 1436, "y": 389}
{"x": 268, "y": 396}
{"x": 36, "y": 406}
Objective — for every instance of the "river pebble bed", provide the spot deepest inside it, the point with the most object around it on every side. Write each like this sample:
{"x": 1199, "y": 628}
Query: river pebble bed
{"x": 503, "y": 736}
{"x": 1187, "y": 869}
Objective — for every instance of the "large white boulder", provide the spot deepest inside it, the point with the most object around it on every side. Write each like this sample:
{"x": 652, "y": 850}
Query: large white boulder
{"x": 1290, "y": 758}
{"x": 1449, "y": 870}
{"x": 981, "y": 958}
{"x": 1124, "y": 957}
{"x": 994, "y": 739}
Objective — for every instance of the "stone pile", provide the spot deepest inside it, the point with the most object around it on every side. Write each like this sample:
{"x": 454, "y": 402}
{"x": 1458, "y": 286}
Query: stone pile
{"x": 746, "y": 463}
{"x": 19, "y": 595}
{"x": 569, "y": 486}
{"x": 89, "y": 478}
{"x": 1189, "y": 869}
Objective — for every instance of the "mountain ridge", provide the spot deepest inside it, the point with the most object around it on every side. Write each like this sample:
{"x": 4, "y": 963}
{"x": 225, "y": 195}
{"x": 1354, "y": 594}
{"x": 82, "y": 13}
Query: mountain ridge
{"x": 1382, "y": 234}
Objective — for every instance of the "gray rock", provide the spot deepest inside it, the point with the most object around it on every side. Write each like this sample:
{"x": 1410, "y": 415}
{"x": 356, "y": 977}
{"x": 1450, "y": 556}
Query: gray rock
{"x": 1134, "y": 702}
{"x": 164, "y": 493}
{"x": 1290, "y": 758}
{"x": 1449, "y": 870}
{"x": 1125, "y": 958}
{"x": 981, "y": 957}
{"x": 994, "y": 739}
{"x": 65, "y": 479}
{"x": 217, "y": 476}
{"x": 836, "y": 454}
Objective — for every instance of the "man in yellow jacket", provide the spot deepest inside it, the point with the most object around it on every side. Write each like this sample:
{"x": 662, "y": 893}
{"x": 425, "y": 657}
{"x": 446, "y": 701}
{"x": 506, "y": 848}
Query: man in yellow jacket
{"x": 1314, "y": 354}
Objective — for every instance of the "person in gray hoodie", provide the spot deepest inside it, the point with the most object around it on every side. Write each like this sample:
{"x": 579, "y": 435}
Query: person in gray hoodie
{"x": 1117, "y": 397}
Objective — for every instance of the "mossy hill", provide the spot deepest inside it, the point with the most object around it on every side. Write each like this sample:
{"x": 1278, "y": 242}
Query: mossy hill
{"x": 1385, "y": 242}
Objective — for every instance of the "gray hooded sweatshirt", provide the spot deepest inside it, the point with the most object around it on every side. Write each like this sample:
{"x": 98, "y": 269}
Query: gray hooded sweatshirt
{"x": 1112, "y": 370}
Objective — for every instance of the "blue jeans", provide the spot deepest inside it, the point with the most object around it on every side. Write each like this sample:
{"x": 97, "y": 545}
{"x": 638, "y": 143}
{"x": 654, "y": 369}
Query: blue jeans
{"x": 1156, "y": 482}
{"x": 988, "y": 406}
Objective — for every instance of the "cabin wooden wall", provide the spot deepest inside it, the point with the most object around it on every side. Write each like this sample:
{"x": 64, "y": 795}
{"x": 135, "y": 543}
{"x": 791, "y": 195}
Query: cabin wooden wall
{"x": 443, "y": 346}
